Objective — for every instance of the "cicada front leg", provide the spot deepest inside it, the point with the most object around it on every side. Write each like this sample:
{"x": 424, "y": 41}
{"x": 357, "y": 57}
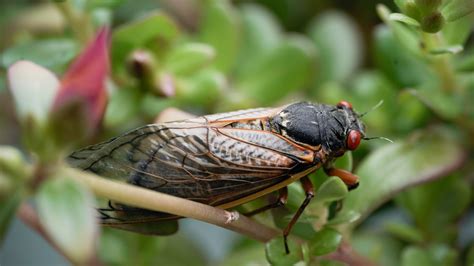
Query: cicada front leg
{"x": 351, "y": 180}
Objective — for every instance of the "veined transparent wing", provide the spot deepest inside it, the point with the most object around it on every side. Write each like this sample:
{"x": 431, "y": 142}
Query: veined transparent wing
{"x": 199, "y": 159}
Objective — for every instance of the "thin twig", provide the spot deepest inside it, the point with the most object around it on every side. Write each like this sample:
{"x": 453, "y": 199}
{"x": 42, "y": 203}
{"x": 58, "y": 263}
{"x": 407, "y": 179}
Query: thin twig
{"x": 156, "y": 201}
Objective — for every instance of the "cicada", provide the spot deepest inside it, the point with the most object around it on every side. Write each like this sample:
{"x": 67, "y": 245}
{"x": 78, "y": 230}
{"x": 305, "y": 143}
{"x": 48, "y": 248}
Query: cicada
{"x": 225, "y": 159}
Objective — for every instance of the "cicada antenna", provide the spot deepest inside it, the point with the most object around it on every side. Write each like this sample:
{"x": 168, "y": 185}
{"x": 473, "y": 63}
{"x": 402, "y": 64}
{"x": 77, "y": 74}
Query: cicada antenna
{"x": 372, "y": 109}
{"x": 383, "y": 138}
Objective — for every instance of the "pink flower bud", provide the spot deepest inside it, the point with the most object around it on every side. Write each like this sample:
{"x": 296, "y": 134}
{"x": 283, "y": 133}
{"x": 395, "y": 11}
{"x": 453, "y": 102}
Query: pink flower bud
{"x": 83, "y": 86}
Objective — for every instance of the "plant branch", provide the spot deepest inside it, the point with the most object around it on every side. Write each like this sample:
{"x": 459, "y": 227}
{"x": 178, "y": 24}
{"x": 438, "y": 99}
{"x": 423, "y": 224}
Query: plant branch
{"x": 156, "y": 201}
{"x": 441, "y": 63}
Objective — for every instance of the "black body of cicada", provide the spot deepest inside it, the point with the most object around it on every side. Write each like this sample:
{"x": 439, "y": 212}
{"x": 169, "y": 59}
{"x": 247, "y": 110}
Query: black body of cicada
{"x": 224, "y": 159}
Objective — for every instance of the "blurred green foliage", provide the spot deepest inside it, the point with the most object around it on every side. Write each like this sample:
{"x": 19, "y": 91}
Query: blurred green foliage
{"x": 212, "y": 56}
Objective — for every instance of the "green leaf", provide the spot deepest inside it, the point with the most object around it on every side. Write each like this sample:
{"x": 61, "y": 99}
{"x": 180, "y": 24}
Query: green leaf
{"x": 368, "y": 89}
{"x": 202, "y": 89}
{"x": 53, "y": 54}
{"x": 396, "y": 62}
{"x": 407, "y": 37}
{"x": 416, "y": 256}
{"x": 410, "y": 113}
{"x": 425, "y": 202}
{"x": 261, "y": 33}
{"x": 275, "y": 74}
{"x": 404, "y": 232}
{"x": 324, "y": 242}
{"x": 339, "y": 43}
{"x": 443, "y": 254}
{"x": 249, "y": 255}
{"x": 404, "y": 19}
{"x": 65, "y": 209}
{"x": 428, "y": 6}
{"x": 457, "y": 9}
{"x": 189, "y": 57}
{"x": 401, "y": 4}
{"x": 379, "y": 248}
{"x": 276, "y": 255}
{"x": 156, "y": 26}
{"x": 439, "y": 254}
{"x": 124, "y": 104}
{"x": 394, "y": 167}
{"x": 446, "y": 105}
{"x": 331, "y": 190}
{"x": 345, "y": 162}
{"x": 296, "y": 196}
{"x": 220, "y": 28}
{"x": 344, "y": 218}
{"x": 457, "y": 32}
{"x": 260, "y": 28}
{"x": 466, "y": 63}
{"x": 409, "y": 8}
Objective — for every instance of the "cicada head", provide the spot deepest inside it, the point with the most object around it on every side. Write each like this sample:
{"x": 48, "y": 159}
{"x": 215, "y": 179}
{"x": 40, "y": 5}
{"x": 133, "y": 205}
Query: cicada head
{"x": 335, "y": 129}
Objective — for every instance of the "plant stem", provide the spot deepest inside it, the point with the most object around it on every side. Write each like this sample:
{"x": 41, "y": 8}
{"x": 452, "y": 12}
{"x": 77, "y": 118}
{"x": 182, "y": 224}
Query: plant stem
{"x": 156, "y": 201}
{"x": 441, "y": 63}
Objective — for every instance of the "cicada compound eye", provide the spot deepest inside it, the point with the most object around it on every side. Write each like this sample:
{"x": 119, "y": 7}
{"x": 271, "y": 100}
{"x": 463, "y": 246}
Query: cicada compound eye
{"x": 345, "y": 104}
{"x": 353, "y": 139}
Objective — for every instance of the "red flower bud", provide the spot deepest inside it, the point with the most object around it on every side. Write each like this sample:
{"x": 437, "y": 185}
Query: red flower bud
{"x": 82, "y": 88}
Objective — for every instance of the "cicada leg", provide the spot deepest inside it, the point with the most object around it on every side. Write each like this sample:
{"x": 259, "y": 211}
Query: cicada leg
{"x": 309, "y": 190}
{"x": 351, "y": 180}
{"x": 281, "y": 201}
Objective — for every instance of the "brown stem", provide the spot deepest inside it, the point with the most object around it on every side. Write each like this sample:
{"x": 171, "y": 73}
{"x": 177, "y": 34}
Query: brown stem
{"x": 28, "y": 215}
{"x": 156, "y": 201}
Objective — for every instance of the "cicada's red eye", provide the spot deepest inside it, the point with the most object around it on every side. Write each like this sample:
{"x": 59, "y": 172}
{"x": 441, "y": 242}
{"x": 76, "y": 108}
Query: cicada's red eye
{"x": 346, "y": 104}
{"x": 353, "y": 139}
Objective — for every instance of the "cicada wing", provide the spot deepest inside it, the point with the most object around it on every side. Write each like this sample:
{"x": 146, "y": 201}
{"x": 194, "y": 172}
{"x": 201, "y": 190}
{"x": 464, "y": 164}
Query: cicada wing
{"x": 189, "y": 160}
{"x": 137, "y": 220}
{"x": 160, "y": 228}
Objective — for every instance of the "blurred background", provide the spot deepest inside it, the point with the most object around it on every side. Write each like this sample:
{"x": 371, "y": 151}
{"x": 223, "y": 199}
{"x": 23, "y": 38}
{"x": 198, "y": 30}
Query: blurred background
{"x": 414, "y": 205}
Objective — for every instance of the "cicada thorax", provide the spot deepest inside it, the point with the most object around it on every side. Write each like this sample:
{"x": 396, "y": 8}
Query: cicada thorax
{"x": 325, "y": 128}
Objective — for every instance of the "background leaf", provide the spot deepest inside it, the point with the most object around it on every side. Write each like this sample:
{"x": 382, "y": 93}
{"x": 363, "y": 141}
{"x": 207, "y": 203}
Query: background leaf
{"x": 156, "y": 26}
{"x": 275, "y": 74}
{"x": 65, "y": 211}
{"x": 427, "y": 156}
{"x": 339, "y": 42}
{"x": 325, "y": 241}
{"x": 53, "y": 54}
{"x": 220, "y": 28}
